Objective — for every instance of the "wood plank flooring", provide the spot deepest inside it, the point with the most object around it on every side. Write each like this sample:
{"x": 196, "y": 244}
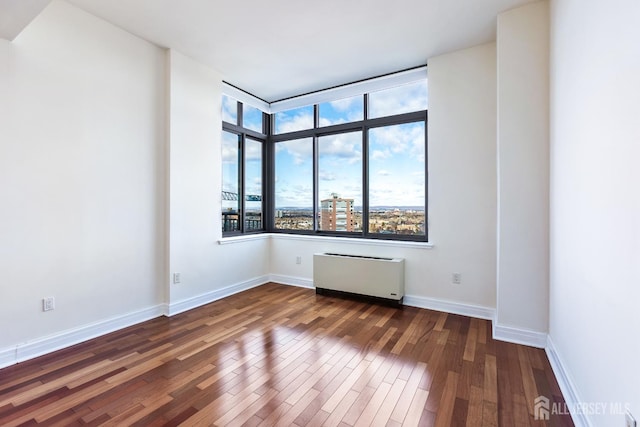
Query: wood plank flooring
{"x": 282, "y": 356}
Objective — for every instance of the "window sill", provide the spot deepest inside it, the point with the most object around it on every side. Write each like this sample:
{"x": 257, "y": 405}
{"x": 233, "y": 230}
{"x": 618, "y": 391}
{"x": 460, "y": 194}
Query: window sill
{"x": 244, "y": 238}
{"x": 348, "y": 240}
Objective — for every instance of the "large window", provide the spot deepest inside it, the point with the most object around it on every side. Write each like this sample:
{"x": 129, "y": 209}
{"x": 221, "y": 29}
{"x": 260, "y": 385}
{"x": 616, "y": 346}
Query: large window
{"x": 243, "y": 147}
{"x": 355, "y": 166}
{"x": 231, "y": 144}
{"x": 340, "y": 182}
{"x": 397, "y": 179}
{"x": 293, "y": 180}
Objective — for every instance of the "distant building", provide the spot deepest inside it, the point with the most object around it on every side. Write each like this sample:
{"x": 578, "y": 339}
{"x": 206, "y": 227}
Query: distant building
{"x": 336, "y": 214}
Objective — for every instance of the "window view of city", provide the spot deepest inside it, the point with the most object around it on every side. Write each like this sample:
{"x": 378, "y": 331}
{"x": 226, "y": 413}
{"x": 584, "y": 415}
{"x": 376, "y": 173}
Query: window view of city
{"x": 382, "y": 220}
{"x": 393, "y": 152}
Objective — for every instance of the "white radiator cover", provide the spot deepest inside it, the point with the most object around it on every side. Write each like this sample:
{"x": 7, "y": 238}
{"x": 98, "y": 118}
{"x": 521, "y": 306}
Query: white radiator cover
{"x": 370, "y": 276}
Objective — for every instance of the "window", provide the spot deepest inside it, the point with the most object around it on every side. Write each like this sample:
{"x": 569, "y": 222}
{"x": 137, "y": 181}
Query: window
{"x": 354, "y": 167}
{"x": 294, "y": 185}
{"x": 340, "y": 182}
{"x": 231, "y": 144}
{"x": 243, "y": 147}
{"x": 353, "y": 175}
{"x": 253, "y": 184}
{"x": 252, "y": 118}
{"x": 397, "y": 180}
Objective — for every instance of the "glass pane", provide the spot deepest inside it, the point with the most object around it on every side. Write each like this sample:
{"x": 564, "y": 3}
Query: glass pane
{"x": 293, "y": 120}
{"x": 229, "y": 110}
{"x": 230, "y": 181}
{"x": 342, "y": 111}
{"x": 294, "y": 185}
{"x": 340, "y": 182}
{"x": 252, "y": 118}
{"x": 253, "y": 185}
{"x": 397, "y": 179}
{"x": 401, "y": 99}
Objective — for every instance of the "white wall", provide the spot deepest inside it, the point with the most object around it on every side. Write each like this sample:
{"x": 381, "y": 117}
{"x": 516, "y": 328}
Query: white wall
{"x": 523, "y": 169}
{"x": 462, "y": 190}
{"x": 195, "y": 209}
{"x": 81, "y": 167}
{"x": 5, "y": 55}
{"x": 595, "y": 199}
{"x": 110, "y": 163}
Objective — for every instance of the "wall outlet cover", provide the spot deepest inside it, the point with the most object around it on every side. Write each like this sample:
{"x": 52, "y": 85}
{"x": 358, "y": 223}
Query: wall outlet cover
{"x": 48, "y": 304}
{"x": 456, "y": 278}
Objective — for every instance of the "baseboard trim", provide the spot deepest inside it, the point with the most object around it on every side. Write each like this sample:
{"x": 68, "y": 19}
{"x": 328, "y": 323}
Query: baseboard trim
{"x": 292, "y": 281}
{"x": 567, "y": 387}
{"x": 206, "y": 298}
{"x": 64, "y": 339}
{"x": 452, "y": 307}
{"x": 519, "y": 335}
{"x": 8, "y": 357}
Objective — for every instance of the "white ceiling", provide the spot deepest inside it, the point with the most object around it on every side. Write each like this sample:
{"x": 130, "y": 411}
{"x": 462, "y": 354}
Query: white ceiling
{"x": 281, "y": 48}
{"x": 15, "y": 15}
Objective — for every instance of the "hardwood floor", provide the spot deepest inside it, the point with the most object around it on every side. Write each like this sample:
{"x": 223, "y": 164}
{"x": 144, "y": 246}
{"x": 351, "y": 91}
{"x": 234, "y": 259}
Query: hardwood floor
{"x": 280, "y": 355}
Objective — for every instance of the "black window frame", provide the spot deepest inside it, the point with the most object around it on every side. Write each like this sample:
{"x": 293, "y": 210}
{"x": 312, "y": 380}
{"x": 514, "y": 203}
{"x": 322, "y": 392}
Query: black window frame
{"x": 270, "y": 140}
{"x": 364, "y": 126}
{"x": 244, "y": 134}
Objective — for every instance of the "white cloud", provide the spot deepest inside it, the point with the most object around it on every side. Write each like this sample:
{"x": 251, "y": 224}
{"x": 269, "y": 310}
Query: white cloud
{"x": 293, "y": 120}
{"x": 229, "y": 109}
{"x": 384, "y": 172}
{"x": 229, "y": 154}
{"x": 301, "y": 150}
{"x": 298, "y": 195}
{"x": 341, "y": 111}
{"x": 347, "y": 104}
{"x": 345, "y": 146}
{"x": 400, "y": 99}
{"x": 253, "y": 150}
{"x": 398, "y": 139}
{"x": 380, "y": 155}
{"x": 328, "y": 122}
{"x": 254, "y": 187}
{"x": 393, "y": 194}
{"x": 323, "y": 175}
{"x": 229, "y": 148}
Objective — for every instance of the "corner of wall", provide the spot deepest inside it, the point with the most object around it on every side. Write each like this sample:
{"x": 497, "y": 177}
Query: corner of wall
{"x": 522, "y": 286}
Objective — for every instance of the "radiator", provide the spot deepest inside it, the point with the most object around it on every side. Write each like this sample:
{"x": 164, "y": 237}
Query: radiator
{"x": 369, "y": 276}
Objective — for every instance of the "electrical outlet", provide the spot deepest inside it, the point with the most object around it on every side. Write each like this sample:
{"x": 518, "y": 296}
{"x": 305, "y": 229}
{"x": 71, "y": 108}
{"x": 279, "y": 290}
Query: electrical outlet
{"x": 630, "y": 421}
{"x": 176, "y": 278}
{"x": 298, "y": 260}
{"x": 48, "y": 304}
{"x": 456, "y": 278}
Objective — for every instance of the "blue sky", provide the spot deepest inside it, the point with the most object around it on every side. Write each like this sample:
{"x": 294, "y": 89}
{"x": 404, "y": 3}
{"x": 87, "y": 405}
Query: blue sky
{"x": 396, "y": 153}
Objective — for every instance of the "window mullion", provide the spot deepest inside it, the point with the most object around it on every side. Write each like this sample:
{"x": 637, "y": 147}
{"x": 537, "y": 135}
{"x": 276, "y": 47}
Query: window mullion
{"x": 316, "y": 207}
{"x": 366, "y": 106}
{"x": 241, "y": 189}
{"x": 268, "y": 180}
{"x": 365, "y": 181}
